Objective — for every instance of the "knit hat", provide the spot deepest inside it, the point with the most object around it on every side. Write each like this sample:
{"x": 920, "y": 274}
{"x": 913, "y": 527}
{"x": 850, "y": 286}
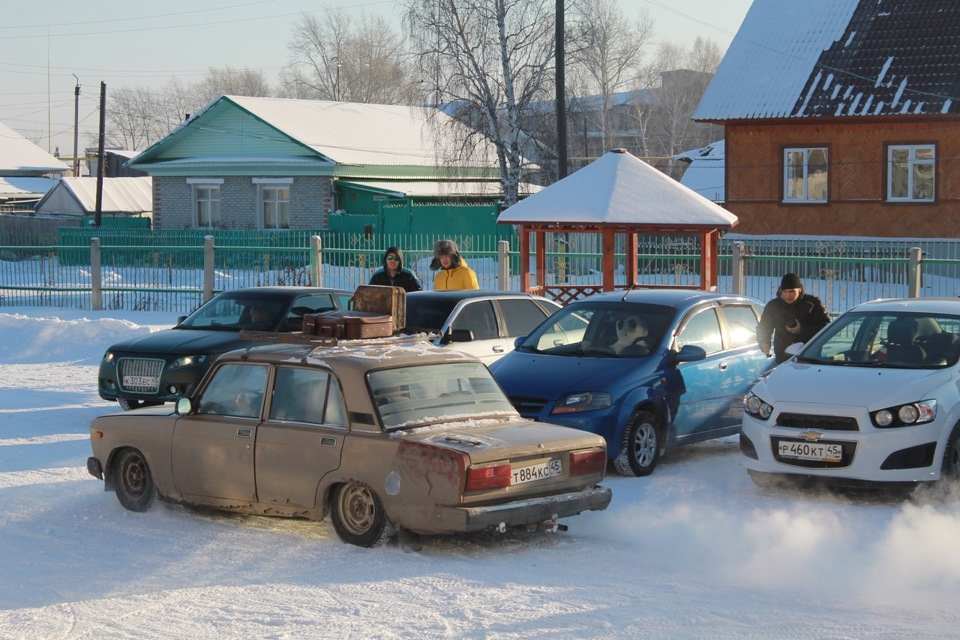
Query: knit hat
{"x": 791, "y": 281}
{"x": 445, "y": 248}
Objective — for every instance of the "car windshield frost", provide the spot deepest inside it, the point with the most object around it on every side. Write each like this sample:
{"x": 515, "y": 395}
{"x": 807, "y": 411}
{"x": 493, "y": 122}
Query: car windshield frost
{"x": 429, "y": 394}
{"x": 596, "y": 329}
{"x": 887, "y": 339}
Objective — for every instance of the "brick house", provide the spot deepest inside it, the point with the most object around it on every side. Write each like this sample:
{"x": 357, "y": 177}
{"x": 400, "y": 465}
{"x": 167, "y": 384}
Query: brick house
{"x": 842, "y": 117}
{"x": 271, "y": 163}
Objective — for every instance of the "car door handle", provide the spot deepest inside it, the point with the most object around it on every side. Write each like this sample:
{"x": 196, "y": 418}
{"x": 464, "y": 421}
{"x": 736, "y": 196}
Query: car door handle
{"x": 498, "y": 349}
{"x": 723, "y": 365}
{"x": 244, "y": 433}
{"x": 328, "y": 441}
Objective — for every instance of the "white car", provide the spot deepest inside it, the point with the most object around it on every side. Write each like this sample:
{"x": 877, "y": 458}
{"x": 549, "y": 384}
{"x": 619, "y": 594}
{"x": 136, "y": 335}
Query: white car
{"x": 484, "y": 324}
{"x": 873, "y": 398}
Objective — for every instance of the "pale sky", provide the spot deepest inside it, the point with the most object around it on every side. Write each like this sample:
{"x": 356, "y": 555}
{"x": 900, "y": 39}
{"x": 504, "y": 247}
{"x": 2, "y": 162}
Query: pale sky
{"x": 135, "y": 44}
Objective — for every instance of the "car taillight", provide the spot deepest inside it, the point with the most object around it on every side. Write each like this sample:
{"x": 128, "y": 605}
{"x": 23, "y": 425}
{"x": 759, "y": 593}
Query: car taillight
{"x": 491, "y": 477}
{"x": 585, "y": 462}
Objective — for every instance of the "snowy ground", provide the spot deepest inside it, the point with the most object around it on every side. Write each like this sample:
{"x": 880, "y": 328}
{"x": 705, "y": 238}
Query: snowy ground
{"x": 694, "y": 551}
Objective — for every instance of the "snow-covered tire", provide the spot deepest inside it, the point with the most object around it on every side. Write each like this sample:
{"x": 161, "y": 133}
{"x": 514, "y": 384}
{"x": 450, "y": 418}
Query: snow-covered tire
{"x": 129, "y": 404}
{"x": 640, "y": 450}
{"x": 133, "y": 482}
{"x": 358, "y": 515}
{"x": 951, "y": 456}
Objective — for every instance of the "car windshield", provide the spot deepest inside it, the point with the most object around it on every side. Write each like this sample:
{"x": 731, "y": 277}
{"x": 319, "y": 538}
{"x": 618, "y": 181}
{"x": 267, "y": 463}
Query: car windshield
{"x": 423, "y": 395}
{"x": 602, "y": 329}
{"x": 428, "y": 313}
{"x": 231, "y": 313}
{"x": 887, "y": 339}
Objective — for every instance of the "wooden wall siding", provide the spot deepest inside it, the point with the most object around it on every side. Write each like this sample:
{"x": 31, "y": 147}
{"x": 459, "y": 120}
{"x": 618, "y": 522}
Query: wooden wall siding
{"x": 233, "y": 133}
{"x": 857, "y": 189}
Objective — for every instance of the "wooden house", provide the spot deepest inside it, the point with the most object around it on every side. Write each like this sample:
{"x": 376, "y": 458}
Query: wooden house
{"x": 842, "y": 117}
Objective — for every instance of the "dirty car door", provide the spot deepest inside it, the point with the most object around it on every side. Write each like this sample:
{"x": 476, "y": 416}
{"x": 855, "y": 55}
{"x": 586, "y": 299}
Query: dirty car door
{"x": 212, "y": 453}
{"x": 303, "y": 437}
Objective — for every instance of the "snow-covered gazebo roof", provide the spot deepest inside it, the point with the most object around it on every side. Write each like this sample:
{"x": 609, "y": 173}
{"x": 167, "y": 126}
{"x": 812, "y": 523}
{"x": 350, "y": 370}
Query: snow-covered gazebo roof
{"x": 619, "y": 190}
{"x": 617, "y": 193}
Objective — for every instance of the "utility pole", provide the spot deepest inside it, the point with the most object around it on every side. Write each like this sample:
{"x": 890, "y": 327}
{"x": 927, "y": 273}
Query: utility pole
{"x": 561, "y": 98}
{"x": 76, "y": 124}
{"x": 98, "y": 214}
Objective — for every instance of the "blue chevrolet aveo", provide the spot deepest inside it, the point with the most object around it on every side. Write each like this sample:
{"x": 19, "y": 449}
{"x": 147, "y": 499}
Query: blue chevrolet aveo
{"x": 645, "y": 369}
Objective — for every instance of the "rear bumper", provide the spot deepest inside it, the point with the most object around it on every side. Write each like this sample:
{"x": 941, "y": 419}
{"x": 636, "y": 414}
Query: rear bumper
{"x": 519, "y": 513}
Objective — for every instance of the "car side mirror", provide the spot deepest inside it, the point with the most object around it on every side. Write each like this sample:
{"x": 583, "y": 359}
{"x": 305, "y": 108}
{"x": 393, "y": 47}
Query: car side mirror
{"x": 793, "y": 348}
{"x": 184, "y": 406}
{"x": 457, "y": 335}
{"x": 689, "y": 353}
{"x": 181, "y": 319}
{"x": 518, "y": 342}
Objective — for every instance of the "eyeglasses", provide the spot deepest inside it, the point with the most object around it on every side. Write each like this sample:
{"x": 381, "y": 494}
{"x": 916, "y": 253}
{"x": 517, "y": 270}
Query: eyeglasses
{"x": 632, "y": 323}
{"x": 392, "y": 257}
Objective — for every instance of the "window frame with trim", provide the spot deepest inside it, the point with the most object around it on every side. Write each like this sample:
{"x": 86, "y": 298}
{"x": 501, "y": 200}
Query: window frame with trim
{"x": 908, "y": 168}
{"x": 790, "y": 170}
{"x": 212, "y": 188}
{"x": 279, "y": 217}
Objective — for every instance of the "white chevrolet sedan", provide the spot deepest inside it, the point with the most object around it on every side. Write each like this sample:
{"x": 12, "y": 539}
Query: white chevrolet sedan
{"x": 873, "y": 398}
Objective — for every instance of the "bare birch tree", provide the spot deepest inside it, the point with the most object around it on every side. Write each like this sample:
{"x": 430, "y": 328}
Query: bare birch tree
{"x": 607, "y": 49}
{"x": 492, "y": 59}
{"x": 336, "y": 57}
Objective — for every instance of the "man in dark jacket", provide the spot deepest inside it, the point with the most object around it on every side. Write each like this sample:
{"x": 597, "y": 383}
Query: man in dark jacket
{"x": 793, "y": 316}
{"x": 394, "y": 274}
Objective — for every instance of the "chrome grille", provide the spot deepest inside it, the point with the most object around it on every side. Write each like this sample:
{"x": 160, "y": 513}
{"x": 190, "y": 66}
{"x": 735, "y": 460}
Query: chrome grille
{"x": 139, "y": 375}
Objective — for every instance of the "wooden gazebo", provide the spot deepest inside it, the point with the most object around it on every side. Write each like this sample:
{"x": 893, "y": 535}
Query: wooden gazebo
{"x": 616, "y": 194}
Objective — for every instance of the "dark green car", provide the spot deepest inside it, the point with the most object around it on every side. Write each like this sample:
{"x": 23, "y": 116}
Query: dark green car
{"x": 167, "y": 365}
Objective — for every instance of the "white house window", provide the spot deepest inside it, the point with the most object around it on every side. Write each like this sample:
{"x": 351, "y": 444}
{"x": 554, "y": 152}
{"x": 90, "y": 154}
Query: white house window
{"x": 206, "y": 202}
{"x": 274, "y": 197}
{"x": 805, "y": 175}
{"x": 911, "y": 171}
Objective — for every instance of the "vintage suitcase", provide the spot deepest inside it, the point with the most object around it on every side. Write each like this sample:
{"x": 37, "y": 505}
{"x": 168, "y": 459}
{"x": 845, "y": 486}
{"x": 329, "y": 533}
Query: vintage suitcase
{"x": 347, "y": 324}
{"x": 391, "y": 301}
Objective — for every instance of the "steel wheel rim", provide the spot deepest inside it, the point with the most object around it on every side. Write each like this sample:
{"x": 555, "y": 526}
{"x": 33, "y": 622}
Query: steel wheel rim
{"x": 645, "y": 445}
{"x": 357, "y": 509}
{"x": 134, "y": 476}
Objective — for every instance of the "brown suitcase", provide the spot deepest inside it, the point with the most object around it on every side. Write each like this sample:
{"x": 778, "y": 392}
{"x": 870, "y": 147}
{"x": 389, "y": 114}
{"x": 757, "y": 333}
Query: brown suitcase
{"x": 347, "y": 324}
{"x": 390, "y": 301}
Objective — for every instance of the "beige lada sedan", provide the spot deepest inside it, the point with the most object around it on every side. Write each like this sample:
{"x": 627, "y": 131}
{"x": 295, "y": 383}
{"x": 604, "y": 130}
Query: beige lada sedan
{"x": 384, "y": 436}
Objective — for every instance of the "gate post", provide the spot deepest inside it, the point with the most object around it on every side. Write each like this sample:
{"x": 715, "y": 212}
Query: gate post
{"x": 316, "y": 261}
{"x": 736, "y": 269}
{"x": 915, "y": 273}
{"x": 208, "y": 271}
{"x": 503, "y": 265}
{"x": 96, "y": 278}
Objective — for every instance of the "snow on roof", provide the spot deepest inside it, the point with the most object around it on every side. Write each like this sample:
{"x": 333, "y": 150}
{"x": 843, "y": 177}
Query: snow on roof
{"x": 19, "y": 186}
{"x": 20, "y": 156}
{"x": 772, "y": 56}
{"x": 839, "y": 58}
{"x": 364, "y": 134}
{"x": 705, "y": 174}
{"x": 120, "y": 195}
{"x": 618, "y": 188}
{"x": 439, "y": 189}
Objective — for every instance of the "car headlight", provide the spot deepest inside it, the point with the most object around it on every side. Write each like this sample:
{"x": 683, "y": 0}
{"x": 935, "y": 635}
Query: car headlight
{"x": 755, "y": 406}
{"x": 186, "y": 361}
{"x": 108, "y": 357}
{"x": 583, "y": 401}
{"x": 905, "y": 415}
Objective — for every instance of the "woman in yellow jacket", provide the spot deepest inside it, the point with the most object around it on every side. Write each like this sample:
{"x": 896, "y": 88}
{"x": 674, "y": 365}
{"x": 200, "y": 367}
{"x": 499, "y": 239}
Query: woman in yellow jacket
{"x": 452, "y": 270}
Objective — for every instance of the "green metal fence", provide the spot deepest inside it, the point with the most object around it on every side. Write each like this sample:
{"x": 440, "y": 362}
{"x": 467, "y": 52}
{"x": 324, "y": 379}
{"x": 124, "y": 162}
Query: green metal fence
{"x": 163, "y": 270}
